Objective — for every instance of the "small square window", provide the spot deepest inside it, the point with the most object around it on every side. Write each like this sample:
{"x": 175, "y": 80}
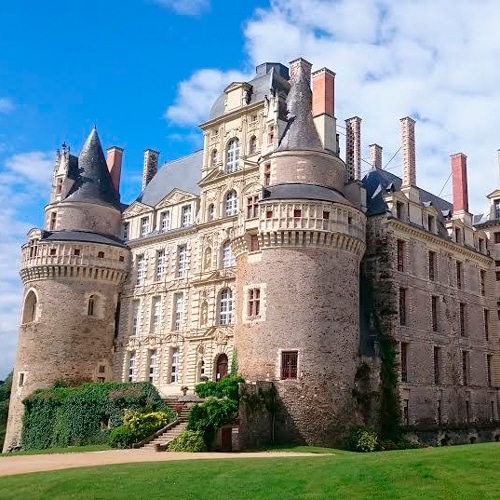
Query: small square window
{"x": 100, "y": 255}
{"x": 297, "y": 212}
{"x": 102, "y": 369}
{"x": 289, "y": 363}
{"x": 53, "y": 251}
{"x": 326, "y": 215}
{"x": 121, "y": 258}
{"x": 269, "y": 214}
{"x": 254, "y": 243}
{"x": 76, "y": 251}
{"x": 21, "y": 379}
{"x": 497, "y": 237}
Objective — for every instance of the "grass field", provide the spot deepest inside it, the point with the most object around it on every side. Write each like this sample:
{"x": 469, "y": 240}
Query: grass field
{"x": 459, "y": 472}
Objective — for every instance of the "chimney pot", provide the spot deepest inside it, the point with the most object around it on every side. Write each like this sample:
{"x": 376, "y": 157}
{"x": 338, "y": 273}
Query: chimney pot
{"x": 408, "y": 147}
{"x": 459, "y": 181}
{"x": 150, "y": 166}
{"x": 353, "y": 147}
{"x": 300, "y": 63}
{"x": 375, "y": 155}
{"x": 323, "y": 92}
{"x": 114, "y": 156}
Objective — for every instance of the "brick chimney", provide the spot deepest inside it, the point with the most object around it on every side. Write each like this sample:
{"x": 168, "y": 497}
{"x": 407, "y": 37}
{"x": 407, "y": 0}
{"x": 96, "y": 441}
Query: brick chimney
{"x": 459, "y": 181}
{"x": 323, "y": 107}
{"x": 408, "y": 147}
{"x": 114, "y": 156}
{"x": 353, "y": 147}
{"x": 150, "y": 166}
{"x": 375, "y": 155}
{"x": 300, "y": 63}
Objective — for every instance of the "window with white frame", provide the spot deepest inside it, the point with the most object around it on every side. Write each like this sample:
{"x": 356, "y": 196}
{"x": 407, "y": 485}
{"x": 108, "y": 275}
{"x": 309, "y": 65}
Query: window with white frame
{"x": 156, "y": 314}
{"x": 152, "y": 366}
{"x": 141, "y": 269}
{"x": 135, "y": 317}
{"x": 181, "y": 260}
{"x": 165, "y": 221}
{"x": 231, "y": 203}
{"x": 131, "y": 367}
{"x": 226, "y": 307}
{"x": 232, "y": 156}
{"x": 178, "y": 311}
{"x": 174, "y": 365}
{"x": 125, "y": 230}
{"x": 228, "y": 259}
{"x": 161, "y": 264}
{"x": 144, "y": 226}
{"x": 186, "y": 216}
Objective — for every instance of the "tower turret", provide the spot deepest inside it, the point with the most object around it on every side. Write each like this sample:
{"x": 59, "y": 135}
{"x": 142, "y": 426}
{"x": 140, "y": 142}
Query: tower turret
{"x": 300, "y": 259}
{"x": 72, "y": 275}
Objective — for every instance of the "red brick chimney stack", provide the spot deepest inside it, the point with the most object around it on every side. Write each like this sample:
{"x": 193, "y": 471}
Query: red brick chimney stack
{"x": 323, "y": 92}
{"x": 375, "y": 155}
{"x": 353, "y": 147}
{"x": 150, "y": 166}
{"x": 114, "y": 156}
{"x": 300, "y": 63}
{"x": 408, "y": 147}
{"x": 459, "y": 181}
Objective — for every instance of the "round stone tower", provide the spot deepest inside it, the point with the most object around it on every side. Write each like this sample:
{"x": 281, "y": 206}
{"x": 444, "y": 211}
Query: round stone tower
{"x": 297, "y": 282}
{"x": 72, "y": 273}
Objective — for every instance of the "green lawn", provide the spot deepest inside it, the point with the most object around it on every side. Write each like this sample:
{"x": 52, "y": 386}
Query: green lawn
{"x": 68, "y": 449}
{"x": 459, "y": 472}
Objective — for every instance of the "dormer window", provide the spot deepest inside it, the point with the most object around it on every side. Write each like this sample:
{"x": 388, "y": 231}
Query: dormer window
{"x": 497, "y": 209}
{"x": 458, "y": 235}
{"x": 431, "y": 223}
{"x": 125, "y": 230}
{"x": 232, "y": 156}
{"x": 186, "y": 216}
{"x": 59, "y": 185}
{"x": 481, "y": 245}
{"x": 399, "y": 209}
{"x": 270, "y": 135}
{"x": 144, "y": 226}
{"x": 165, "y": 221}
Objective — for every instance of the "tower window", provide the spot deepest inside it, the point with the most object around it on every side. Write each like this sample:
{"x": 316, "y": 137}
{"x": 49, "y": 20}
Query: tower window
{"x": 59, "y": 185}
{"x": 297, "y": 212}
{"x": 76, "y": 251}
{"x": 53, "y": 251}
{"x": 252, "y": 207}
{"x": 125, "y": 230}
{"x": 289, "y": 364}
{"x": 402, "y": 307}
{"x": 437, "y": 365}
{"x": 232, "y": 156}
{"x": 53, "y": 220}
{"x": 226, "y": 307}
{"x": 22, "y": 378}
{"x": 401, "y": 255}
{"x": 92, "y": 306}
{"x": 253, "y": 302}
{"x": 30, "y": 308}
{"x": 254, "y": 243}
{"x": 270, "y": 135}
{"x": 267, "y": 174}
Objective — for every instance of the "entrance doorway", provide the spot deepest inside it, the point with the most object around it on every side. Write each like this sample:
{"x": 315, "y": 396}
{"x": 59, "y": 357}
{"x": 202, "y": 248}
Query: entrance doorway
{"x": 222, "y": 364}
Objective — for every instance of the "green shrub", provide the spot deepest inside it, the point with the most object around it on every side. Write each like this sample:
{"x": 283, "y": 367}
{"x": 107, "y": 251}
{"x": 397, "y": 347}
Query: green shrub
{"x": 121, "y": 437}
{"x": 363, "y": 440}
{"x": 187, "y": 440}
{"x": 66, "y": 416}
{"x": 142, "y": 425}
{"x": 226, "y": 387}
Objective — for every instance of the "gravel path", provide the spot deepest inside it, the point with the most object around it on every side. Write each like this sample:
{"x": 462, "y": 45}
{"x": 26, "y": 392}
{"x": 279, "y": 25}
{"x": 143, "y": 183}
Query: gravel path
{"x": 36, "y": 463}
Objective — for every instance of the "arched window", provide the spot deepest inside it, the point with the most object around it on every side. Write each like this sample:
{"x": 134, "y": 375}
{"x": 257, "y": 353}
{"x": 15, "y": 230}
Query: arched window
{"x": 92, "y": 306}
{"x": 252, "y": 145}
{"x": 228, "y": 259}
{"x": 30, "y": 308}
{"x": 231, "y": 203}
{"x": 233, "y": 155}
{"x": 213, "y": 158}
{"x": 211, "y": 212}
{"x": 226, "y": 307}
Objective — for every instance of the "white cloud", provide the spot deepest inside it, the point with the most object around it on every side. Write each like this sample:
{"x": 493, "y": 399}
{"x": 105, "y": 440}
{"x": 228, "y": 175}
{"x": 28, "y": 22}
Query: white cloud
{"x": 433, "y": 59}
{"x": 185, "y": 7}
{"x": 24, "y": 183}
{"x": 6, "y": 105}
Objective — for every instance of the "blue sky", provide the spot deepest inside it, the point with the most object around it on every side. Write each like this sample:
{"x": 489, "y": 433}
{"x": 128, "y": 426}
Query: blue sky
{"x": 147, "y": 71}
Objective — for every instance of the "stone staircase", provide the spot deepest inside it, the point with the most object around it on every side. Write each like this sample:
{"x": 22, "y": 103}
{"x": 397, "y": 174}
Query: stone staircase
{"x": 161, "y": 442}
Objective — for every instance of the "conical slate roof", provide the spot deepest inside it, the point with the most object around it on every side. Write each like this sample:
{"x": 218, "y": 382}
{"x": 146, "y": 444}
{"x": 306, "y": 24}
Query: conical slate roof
{"x": 93, "y": 183}
{"x": 300, "y": 132}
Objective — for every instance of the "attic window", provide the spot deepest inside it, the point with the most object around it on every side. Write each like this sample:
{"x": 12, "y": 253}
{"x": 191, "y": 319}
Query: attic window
{"x": 399, "y": 209}
{"x": 431, "y": 223}
{"x": 497, "y": 209}
{"x": 270, "y": 135}
{"x": 481, "y": 245}
{"x": 297, "y": 212}
{"x": 53, "y": 251}
{"x": 76, "y": 251}
{"x": 59, "y": 185}
{"x": 100, "y": 255}
{"x": 121, "y": 258}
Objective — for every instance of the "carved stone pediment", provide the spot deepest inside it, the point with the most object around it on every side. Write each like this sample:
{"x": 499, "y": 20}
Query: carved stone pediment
{"x": 136, "y": 208}
{"x": 174, "y": 197}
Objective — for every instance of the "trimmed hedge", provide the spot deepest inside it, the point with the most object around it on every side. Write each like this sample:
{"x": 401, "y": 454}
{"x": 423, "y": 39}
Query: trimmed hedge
{"x": 69, "y": 416}
{"x": 191, "y": 441}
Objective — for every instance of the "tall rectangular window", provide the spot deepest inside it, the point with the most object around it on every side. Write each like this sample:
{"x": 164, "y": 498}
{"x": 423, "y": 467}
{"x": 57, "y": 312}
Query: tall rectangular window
{"x": 254, "y": 243}
{"x": 437, "y": 365}
{"x": 174, "y": 365}
{"x": 141, "y": 269}
{"x": 165, "y": 221}
{"x": 131, "y": 367}
{"x": 497, "y": 237}
{"x": 252, "y": 207}
{"x": 467, "y": 412}
{"x": 406, "y": 412}
{"x": 431, "y": 223}
{"x": 439, "y": 412}
{"x": 489, "y": 358}
{"x": 135, "y": 317}
{"x": 267, "y": 174}
{"x": 186, "y": 216}
{"x": 404, "y": 361}
{"x": 178, "y": 311}
{"x": 125, "y": 230}
{"x": 152, "y": 366}
{"x": 486, "y": 320}
{"x": 156, "y": 315}
{"x": 59, "y": 185}
{"x": 463, "y": 320}
{"x": 465, "y": 368}
{"x": 181, "y": 260}
{"x": 253, "y": 302}
{"x": 53, "y": 220}
{"x": 459, "y": 273}
{"x": 144, "y": 226}
{"x": 401, "y": 255}
{"x": 289, "y": 364}
{"x": 432, "y": 265}
{"x": 458, "y": 235}
{"x": 482, "y": 281}
{"x": 434, "y": 311}
{"x": 402, "y": 306}
{"x": 399, "y": 210}
{"x": 161, "y": 264}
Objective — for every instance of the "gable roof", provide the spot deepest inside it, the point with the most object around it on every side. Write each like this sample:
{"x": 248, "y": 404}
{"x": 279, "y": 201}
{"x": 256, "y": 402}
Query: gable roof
{"x": 182, "y": 174}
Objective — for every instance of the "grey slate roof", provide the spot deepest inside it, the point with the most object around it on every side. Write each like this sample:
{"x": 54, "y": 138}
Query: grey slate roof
{"x": 183, "y": 174}
{"x": 303, "y": 192}
{"x": 93, "y": 182}
{"x": 269, "y": 78}
{"x": 300, "y": 132}
{"x": 82, "y": 236}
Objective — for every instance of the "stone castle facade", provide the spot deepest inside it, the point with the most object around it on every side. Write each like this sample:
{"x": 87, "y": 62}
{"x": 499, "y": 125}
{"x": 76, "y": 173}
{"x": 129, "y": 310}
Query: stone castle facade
{"x": 267, "y": 252}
